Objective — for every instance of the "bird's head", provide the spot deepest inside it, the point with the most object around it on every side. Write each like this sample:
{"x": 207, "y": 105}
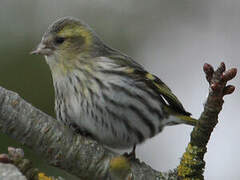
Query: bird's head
{"x": 68, "y": 38}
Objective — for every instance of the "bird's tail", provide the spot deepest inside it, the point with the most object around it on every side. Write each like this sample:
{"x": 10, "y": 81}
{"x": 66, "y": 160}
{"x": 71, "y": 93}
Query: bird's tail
{"x": 179, "y": 118}
{"x": 187, "y": 120}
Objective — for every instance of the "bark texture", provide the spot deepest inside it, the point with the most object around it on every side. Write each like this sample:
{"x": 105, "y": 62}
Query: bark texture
{"x": 192, "y": 164}
{"x": 10, "y": 172}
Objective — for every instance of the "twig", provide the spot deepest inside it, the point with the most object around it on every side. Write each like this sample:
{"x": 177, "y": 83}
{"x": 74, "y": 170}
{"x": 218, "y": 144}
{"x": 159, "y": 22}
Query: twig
{"x": 192, "y": 163}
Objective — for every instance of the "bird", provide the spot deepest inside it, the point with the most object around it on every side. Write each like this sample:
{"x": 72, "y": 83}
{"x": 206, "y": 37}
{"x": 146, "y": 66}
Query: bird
{"x": 103, "y": 93}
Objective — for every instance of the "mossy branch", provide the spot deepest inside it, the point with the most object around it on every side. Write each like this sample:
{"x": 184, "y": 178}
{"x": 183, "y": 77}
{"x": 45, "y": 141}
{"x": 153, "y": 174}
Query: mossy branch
{"x": 192, "y": 164}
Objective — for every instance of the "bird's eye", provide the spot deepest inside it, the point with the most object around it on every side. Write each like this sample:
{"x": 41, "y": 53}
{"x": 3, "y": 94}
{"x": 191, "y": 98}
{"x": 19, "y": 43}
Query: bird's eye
{"x": 59, "y": 40}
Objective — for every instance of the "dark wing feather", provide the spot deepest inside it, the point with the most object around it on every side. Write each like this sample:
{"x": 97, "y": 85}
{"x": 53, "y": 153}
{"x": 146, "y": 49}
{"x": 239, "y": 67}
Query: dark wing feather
{"x": 137, "y": 72}
{"x": 160, "y": 87}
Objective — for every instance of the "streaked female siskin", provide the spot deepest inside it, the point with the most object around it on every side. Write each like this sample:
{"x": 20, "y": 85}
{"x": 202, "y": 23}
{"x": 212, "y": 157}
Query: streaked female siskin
{"x": 104, "y": 93}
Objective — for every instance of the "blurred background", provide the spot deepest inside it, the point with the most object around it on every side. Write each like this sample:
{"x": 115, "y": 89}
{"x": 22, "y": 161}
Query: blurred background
{"x": 172, "y": 39}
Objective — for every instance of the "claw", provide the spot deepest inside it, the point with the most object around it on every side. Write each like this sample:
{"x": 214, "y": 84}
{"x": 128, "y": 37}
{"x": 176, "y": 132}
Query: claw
{"x": 131, "y": 155}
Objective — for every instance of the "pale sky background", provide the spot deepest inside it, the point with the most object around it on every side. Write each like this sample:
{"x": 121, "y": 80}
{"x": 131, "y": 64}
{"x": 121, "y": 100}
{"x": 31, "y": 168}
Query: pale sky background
{"x": 171, "y": 38}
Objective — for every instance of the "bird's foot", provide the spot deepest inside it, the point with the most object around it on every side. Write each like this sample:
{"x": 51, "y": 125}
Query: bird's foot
{"x": 132, "y": 155}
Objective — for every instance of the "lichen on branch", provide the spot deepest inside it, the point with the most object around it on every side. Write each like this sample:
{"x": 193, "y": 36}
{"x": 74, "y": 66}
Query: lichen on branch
{"x": 192, "y": 164}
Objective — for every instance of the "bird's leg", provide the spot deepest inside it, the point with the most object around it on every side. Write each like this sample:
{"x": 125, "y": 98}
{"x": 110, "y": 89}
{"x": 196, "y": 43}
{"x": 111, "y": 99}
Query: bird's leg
{"x": 132, "y": 154}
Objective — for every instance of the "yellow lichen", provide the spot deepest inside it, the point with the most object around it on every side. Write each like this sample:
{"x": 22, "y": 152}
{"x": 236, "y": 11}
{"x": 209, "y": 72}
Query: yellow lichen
{"x": 119, "y": 163}
{"x": 42, "y": 176}
{"x": 120, "y": 168}
{"x": 191, "y": 164}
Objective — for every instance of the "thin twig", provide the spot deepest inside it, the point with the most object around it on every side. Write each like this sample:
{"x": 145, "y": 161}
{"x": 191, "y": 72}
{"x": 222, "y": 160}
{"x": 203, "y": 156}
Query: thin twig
{"x": 192, "y": 164}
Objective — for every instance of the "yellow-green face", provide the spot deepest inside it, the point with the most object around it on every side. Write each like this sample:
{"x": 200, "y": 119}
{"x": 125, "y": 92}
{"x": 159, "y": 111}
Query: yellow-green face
{"x": 72, "y": 40}
{"x": 66, "y": 39}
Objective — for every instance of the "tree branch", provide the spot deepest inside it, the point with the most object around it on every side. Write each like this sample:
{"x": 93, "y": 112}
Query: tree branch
{"x": 76, "y": 154}
{"x": 192, "y": 163}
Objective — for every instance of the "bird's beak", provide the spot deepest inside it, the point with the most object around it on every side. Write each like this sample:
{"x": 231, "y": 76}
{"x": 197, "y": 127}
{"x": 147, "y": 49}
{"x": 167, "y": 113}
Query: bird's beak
{"x": 42, "y": 49}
